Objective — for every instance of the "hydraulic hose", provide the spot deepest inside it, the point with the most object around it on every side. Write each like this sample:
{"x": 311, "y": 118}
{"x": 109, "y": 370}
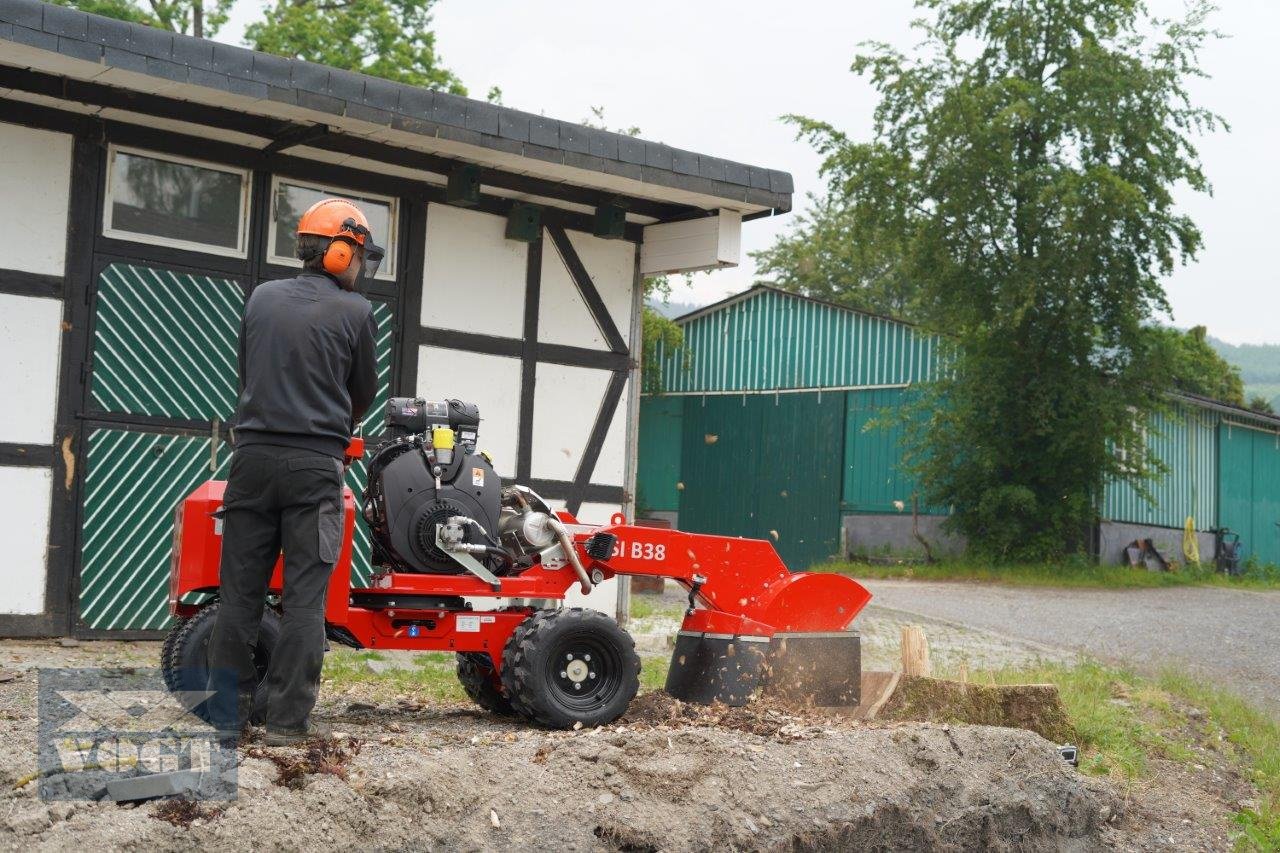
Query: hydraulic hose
{"x": 571, "y": 553}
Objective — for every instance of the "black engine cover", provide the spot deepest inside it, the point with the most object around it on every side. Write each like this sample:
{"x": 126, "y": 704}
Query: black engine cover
{"x": 412, "y": 505}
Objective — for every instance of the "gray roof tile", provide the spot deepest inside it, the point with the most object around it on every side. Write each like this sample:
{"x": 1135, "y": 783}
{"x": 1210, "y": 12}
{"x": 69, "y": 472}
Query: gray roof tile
{"x": 35, "y": 38}
{"x": 126, "y": 60}
{"x": 602, "y": 143}
{"x": 381, "y": 94}
{"x": 573, "y": 137}
{"x": 106, "y": 30}
{"x": 415, "y": 102}
{"x": 513, "y": 124}
{"x": 248, "y": 88}
{"x": 657, "y": 155}
{"x": 482, "y": 117}
{"x": 631, "y": 150}
{"x": 166, "y": 69}
{"x": 372, "y": 115}
{"x": 86, "y": 50}
{"x": 309, "y": 76}
{"x": 149, "y": 41}
{"x": 197, "y": 53}
{"x": 233, "y": 61}
{"x": 544, "y": 131}
{"x": 62, "y": 21}
{"x": 156, "y": 52}
{"x": 449, "y": 109}
{"x": 212, "y": 79}
{"x": 711, "y": 168}
{"x": 736, "y": 173}
{"x": 346, "y": 85}
{"x": 684, "y": 162}
{"x": 272, "y": 70}
{"x": 323, "y": 103}
{"x": 24, "y": 13}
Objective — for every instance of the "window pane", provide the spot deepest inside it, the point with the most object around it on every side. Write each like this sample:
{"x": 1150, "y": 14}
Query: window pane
{"x": 293, "y": 200}
{"x": 176, "y": 201}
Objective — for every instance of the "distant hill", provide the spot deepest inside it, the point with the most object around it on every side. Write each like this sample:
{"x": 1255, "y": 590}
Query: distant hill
{"x": 673, "y": 309}
{"x": 1259, "y": 367}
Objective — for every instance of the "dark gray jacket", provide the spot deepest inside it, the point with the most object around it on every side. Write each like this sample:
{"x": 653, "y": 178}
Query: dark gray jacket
{"x": 307, "y": 366}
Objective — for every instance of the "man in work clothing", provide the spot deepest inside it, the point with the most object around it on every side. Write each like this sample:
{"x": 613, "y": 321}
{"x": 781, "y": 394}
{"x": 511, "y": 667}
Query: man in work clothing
{"x": 307, "y": 375}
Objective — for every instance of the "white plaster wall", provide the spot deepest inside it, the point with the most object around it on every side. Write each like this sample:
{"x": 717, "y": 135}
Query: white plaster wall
{"x": 566, "y": 401}
{"x": 563, "y": 318}
{"x": 35, "y": 188}
{"x": 474, "y": 277}
{"x": 30, "y": 340}
{"x": 612, "y": 465}
{"x": 24, "y": 505}
{"x": 611, "y": 265}
{"x": 492, "y": 382}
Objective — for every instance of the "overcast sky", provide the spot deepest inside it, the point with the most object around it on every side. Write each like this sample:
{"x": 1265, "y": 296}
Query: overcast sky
{"x": 714, "y": 77}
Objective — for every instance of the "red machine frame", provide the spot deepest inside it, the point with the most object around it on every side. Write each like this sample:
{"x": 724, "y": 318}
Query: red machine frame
{"x": 742, "y": 586}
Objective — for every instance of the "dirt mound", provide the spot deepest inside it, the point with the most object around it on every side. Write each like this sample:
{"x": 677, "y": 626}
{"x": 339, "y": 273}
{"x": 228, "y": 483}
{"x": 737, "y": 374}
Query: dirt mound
{"x": 765, "y": 716}
{"x": 1035, "y": 707}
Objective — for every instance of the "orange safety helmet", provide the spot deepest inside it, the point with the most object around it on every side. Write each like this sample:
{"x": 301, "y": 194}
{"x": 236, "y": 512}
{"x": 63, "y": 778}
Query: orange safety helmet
{"x": 346, "y": 227}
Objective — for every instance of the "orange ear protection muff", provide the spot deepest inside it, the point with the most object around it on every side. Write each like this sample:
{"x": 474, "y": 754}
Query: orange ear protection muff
{"x": 338, "y": 256}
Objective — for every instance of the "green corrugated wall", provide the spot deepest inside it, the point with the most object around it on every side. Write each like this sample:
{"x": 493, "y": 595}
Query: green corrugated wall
{"x": 771, "y": 341}
{"x": 874, "y": 479}
{"x": 1249, "y": 489}
{"x": 661, "y": 435}
{"x": 765, "y": 467}
{"x": 1184, "y": 439}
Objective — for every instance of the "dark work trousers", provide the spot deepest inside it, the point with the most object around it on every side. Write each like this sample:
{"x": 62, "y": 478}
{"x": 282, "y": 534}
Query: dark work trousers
{"x": 276, "y": 498}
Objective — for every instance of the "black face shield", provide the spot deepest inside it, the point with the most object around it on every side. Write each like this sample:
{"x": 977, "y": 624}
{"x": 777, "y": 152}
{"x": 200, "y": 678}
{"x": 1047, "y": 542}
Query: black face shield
{"x": 373, "y": 253}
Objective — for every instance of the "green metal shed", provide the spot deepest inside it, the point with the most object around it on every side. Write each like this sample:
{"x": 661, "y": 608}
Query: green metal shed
{"x": 776, "y": 421}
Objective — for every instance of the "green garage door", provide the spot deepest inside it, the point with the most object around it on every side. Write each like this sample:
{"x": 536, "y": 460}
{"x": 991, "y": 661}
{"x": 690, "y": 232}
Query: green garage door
{"x": 766, "y": 467}
{"x": 1249, "y": 489}
{"x": 163, "y": 357}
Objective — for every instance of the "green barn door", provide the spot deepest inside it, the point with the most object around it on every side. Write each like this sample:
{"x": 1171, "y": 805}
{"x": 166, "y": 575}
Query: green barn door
{"x": 768, "y": 467}
{"x": 164, "y": 364}
{"x": 1249, "y": 489}
{"x": 163, "y": 378}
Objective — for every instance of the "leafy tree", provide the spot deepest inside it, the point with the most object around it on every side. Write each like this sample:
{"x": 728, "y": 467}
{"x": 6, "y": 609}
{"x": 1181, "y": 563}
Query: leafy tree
{"x": 1261, "y": 404}
{"x": 1194, "y": 366}
{"x": 385, "y": 38}
{"x": 817, "y": 258}
{"x": 190, "y": 17}
{"x": 1021, "y": 169}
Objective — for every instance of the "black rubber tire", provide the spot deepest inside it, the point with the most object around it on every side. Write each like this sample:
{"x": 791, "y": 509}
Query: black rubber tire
{"x": 475, "y": 671}
{"x": 535, "y": 677}
{"x": 184, "y": 656}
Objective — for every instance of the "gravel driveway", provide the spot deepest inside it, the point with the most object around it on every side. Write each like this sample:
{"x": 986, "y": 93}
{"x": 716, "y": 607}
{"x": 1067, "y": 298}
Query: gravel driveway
{"x": 1229, "y": 636}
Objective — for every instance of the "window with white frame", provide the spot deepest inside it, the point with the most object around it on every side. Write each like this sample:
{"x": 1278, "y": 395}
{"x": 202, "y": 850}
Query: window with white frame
{"x": 290, "y": 199}
{"x": 176, "y": 202}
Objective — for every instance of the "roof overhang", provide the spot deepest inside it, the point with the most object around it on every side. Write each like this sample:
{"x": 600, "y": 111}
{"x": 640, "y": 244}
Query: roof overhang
{"x": 116, "y": 69}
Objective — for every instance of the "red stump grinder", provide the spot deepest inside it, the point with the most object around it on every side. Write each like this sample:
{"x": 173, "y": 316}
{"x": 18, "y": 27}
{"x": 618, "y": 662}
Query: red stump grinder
{"x": 466, "y": 564}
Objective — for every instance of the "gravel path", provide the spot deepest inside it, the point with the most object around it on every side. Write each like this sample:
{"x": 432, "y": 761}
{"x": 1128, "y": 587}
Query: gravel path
{"x": 1229, "y": 636}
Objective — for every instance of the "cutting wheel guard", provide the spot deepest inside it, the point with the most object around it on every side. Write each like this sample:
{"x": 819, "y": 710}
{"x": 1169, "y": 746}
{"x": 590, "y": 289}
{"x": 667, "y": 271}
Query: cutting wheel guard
{"x": 759, "y": 627}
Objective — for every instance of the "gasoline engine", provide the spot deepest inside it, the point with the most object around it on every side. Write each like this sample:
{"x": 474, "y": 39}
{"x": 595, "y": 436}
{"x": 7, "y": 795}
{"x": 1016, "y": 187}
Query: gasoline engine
{"x": 434, "y": 504}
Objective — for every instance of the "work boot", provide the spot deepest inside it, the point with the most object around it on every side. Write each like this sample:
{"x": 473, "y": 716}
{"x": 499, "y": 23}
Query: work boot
{"x": 292, "y": 737}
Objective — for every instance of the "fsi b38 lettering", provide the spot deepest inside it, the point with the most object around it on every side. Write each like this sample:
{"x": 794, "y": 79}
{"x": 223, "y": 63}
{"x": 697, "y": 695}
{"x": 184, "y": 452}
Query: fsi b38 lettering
{"x": 640, "y": 551}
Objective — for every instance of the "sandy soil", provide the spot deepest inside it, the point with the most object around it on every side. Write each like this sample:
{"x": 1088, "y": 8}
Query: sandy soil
{"x": 667, "y": 777}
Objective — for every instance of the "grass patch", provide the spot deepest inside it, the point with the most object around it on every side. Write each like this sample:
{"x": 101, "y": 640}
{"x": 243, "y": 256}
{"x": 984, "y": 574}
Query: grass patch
{"x": 656, "y": 607}
{"x": 1069, "y": 573}
{"x": 428, "y": 677}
